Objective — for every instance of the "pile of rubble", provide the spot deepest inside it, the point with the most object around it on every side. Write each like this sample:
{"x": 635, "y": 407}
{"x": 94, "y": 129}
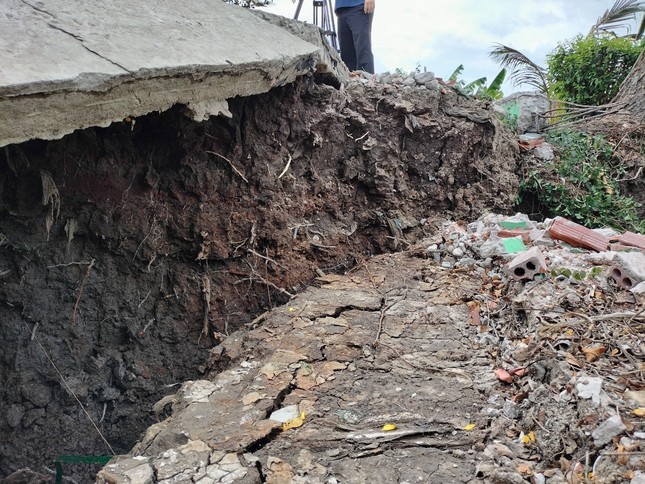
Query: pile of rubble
{"x": 503, "y": 350}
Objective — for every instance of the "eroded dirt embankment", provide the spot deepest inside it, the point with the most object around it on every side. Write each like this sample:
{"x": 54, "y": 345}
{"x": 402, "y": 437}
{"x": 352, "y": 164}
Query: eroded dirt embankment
{"x": 120, "y": 246}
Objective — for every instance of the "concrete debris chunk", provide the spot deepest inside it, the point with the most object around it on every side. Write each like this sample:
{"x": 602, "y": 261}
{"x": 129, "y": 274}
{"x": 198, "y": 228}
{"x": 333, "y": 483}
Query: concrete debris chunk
{"x": 127, "y": 470}
{"x": 184, "y": 461}
{"x": 607, "y": 430}
{"x": 527, "y": 265}
{"x": 628, "y": 269}
{"x": 589, "y": 388}
{"x": 285, "y": 414}
{"x": 639, "y": 478}
{"x": 638, "y": 288}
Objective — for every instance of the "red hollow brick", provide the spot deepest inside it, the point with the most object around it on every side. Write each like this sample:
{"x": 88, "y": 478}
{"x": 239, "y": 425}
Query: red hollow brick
{"x": 628, "y": 269}
{"x": 526, "y": 265}
{"x": 577, "y": 235}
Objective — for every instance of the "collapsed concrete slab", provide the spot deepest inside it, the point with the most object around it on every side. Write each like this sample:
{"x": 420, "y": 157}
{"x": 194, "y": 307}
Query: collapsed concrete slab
{"x": 329, "y": 61}
{"x": 71, "y": 65}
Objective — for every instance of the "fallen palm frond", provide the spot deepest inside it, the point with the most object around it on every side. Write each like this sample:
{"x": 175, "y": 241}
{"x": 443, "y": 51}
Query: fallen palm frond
{"x": 567, "y": 114}
{"x": 523, "y": 70}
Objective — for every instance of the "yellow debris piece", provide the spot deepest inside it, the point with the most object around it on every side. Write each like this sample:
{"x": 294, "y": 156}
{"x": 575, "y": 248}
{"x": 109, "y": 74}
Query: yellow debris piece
{"x": 529, "y": 438}
{"x": 469, "y": 427}
{"x": 294, "y": 423}
{"x": 388, "y": 427}
{"x": 639, "y": 412}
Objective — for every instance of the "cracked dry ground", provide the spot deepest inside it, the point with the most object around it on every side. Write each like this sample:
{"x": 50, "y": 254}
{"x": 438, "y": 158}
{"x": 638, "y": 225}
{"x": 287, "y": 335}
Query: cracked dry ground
{"x": 389, "y": 343}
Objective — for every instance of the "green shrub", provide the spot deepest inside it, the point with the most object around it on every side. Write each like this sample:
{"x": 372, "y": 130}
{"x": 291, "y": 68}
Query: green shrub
{"x": 589, "y": 70}
{"x": 581, "y": 183}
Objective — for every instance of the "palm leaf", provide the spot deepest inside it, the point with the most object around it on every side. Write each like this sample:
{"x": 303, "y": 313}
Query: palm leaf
{"x": 523, "y": 70}
{"x": 641, "y": 30}
{"x": 618, "y": 16}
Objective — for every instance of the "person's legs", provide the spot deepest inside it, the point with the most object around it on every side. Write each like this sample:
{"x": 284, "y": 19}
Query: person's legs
{"x": 346, "y": 39}
{"x": 360, "y": 25}
{"x": 363, "y": 43}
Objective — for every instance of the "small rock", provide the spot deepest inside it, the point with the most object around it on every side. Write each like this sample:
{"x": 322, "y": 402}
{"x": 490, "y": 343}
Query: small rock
{"x": 425, "y": 78}
{"x": 589, "y": 388}
{"x": 38, "y": 394}
{"x": 544, "y": 152}
{"x": 409, "y": 81}
{"x": 32, "y": 415}
{"x": 14, "y": 415}
{"x": 504, "y": 477}
{"x": 639, "y": 288}
{"x": 458, "y": 252}
{"x": 485, "y": 469}
{"x": 285, "y": 414}
{"x": 493, "y": 247}
{"x": 639, "y": 478}
{"x": 607, "y": 430}
{"x": 493, "y": 451}
{"x": 510, "y": 410}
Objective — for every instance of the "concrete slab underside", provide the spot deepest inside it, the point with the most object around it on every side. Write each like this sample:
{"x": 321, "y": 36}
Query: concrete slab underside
{"x": 70, "y": 65}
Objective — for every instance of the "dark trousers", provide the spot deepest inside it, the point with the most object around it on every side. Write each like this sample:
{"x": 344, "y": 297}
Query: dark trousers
{"x": 355, "y": 38}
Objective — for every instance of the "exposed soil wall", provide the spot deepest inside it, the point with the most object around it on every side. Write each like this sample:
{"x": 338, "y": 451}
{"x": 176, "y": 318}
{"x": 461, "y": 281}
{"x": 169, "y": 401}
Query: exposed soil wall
{"x": 119, "y": 246}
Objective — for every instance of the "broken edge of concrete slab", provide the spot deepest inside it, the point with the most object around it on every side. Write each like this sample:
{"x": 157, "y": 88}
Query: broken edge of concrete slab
{"x": 328, "y": 60}
{"x": 73, "y": 70}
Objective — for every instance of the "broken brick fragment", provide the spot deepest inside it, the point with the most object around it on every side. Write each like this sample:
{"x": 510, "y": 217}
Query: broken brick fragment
{"x": 577, "y": 235}
{"x": 628, "y": 269}
{"x": 525, "y": 234}
{"x": 631, "y": 239}
{"x": 618, "y": 247}
{"x": 526, "y": 265}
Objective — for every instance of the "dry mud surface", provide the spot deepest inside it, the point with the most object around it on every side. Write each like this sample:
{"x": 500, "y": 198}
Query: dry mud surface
{"x": 390, "y": 343}
{"x": 128, "y": 252}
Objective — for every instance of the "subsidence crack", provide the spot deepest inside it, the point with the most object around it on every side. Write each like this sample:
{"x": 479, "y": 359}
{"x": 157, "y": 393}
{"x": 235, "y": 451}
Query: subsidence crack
{"x": 77, "y": 37}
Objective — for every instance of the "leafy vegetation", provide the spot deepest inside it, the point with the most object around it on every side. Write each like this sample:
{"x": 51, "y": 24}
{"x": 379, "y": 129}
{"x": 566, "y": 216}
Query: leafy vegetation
{"x": 478, "y": 87}
{"x": 582, "y": 184}
{"x": 577, "y": 275}
{"x": 589, "y": 70}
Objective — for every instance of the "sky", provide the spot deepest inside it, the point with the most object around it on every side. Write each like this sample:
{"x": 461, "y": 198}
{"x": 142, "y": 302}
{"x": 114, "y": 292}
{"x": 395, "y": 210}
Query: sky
{"x": 438, "y": 36}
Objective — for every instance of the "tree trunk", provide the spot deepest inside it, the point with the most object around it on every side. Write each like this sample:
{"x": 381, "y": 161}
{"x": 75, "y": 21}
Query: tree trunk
{"x": 632, "y": 91}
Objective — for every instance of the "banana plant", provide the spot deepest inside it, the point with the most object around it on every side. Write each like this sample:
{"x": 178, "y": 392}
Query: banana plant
{"x": 478, "y": 87}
